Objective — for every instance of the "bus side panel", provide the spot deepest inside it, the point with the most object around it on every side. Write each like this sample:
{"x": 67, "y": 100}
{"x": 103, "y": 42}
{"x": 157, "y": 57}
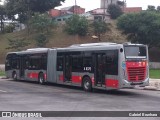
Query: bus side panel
{"x": 51, "y": 66}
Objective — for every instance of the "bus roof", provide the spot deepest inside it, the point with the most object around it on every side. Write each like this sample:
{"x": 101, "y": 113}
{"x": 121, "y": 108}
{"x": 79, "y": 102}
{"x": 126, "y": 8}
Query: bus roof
{"x": 32, "y": 50}
{"x": 79, "y": 47}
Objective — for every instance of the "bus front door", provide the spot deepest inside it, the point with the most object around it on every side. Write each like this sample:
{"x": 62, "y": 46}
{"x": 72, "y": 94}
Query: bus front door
{"x": 67, "y": 69}
{"x": 99, "y": 69}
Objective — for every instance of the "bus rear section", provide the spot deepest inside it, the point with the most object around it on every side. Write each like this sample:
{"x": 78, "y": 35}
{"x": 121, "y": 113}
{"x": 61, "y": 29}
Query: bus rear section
{"x": 27, "y": 65}
{"x": 134, "y": 65}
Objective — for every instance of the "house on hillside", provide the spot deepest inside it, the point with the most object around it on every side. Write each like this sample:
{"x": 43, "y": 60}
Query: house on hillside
{"x": 61, "y": 19}
{"x": 132, "y": 9}
{"x": 65, "y": 13}
{"x": 98, "y": 14}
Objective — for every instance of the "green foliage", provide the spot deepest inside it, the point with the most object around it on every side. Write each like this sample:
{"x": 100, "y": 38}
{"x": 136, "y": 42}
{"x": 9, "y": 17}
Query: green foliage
{"x": 154, "y": 73}
{"x": 141, "y": 27}
{"x": 41, "y": 23}
{"x": 26, "y": 8}
{"x": 115, "y": 11}
{"x": 121, "y": 3}
{"x": 158, "y": 8}
{"x": 17, "y": 44}
{"x": 151, "y": 8}
{"x": 9, "y": 28}
{"x": 77, "y": 25}
{"x": 100, "y": 27}
{"x": 41, "y": 40}
{"x": 2, "y": 14}
{"x": 2, "y": 73}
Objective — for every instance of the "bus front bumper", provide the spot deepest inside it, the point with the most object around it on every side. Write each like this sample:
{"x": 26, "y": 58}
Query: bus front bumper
{"x": 129, "y": 84}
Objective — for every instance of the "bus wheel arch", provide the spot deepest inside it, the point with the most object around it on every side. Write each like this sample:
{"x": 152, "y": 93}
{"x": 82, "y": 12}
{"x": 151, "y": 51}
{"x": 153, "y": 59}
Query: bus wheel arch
{"x": 14, "y": 75}
{"x": 87, "y": 83}
{"x": 41, "y": 78}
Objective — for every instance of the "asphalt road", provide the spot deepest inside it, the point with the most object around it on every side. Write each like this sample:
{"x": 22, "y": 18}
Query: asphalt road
{"x": 30, "y": 96}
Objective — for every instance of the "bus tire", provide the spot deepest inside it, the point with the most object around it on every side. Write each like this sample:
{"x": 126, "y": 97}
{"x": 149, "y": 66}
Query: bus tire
{"x": 87, "y": 84}
{"x": 41, "y": 79}
{"x": 14, "y": 75}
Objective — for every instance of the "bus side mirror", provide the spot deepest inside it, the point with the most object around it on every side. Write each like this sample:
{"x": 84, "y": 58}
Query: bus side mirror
{"x": 121, "y": 50}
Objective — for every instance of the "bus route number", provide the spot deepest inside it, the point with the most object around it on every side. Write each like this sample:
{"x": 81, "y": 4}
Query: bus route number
{"x": 87, "y": 68}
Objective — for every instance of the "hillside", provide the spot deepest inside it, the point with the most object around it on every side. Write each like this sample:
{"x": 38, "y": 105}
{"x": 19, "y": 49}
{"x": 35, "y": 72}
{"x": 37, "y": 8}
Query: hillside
{"x": 59, "y": 38}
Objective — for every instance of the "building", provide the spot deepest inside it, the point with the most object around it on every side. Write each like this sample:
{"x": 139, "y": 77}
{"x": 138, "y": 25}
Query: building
{"x": 106, "y": 3}
{"x": 99, "y": 14}
{"x": 132, "y": 9}
{"x": 62, "y": 18}
{"x": 54, "y": 12}
{"x": 67, "y": 10}
{"x": 73, "y": 9}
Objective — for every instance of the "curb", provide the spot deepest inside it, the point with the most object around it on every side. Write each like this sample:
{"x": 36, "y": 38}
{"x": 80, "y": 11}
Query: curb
{"x": 3, "y": 77}
{"x": 154, "y": 84}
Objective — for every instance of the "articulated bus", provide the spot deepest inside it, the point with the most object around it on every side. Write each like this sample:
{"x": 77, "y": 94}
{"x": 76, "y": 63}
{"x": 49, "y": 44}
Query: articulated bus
{"x": 93, "y": 65}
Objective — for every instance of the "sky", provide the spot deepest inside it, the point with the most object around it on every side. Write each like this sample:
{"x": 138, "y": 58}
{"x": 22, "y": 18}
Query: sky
{"x": 93, "y": 4}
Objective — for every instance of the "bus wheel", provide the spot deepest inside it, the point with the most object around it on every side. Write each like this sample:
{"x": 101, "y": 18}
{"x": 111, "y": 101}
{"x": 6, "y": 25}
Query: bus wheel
{"x": 14, "y": 76}
{"x": 87, "y": 85}
{"x": 41, "y": 79}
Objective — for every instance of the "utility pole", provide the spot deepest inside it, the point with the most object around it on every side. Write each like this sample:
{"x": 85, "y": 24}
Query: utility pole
{"x": 104, "y": 9}
{"x": 75, "y": 6}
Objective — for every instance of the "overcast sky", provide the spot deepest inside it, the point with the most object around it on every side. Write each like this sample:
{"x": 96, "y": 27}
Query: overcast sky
{"x": 92, "y": 4}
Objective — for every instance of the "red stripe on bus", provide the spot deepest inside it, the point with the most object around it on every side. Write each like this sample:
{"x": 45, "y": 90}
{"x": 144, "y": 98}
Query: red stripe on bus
{"x": 76, "y": 79}
{"x": 32, "y": 75}
{"x": 61, "y": 78}
{"x": 112, "y": 83}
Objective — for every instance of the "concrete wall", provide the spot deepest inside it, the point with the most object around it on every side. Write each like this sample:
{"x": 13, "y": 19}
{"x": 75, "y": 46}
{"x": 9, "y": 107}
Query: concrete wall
{"x": 2, "y": 67}
{"x": 154, "y": 65}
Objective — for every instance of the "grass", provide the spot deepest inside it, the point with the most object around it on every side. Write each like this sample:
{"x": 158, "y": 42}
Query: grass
{"x": 154, "y": 73}
{"x": 2, "y": 73}
{"x": 58, "y": 38}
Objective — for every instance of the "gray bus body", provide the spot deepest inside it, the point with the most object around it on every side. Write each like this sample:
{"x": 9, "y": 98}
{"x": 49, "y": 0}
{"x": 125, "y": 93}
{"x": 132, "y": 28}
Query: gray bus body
{"x": 104, "y": 65}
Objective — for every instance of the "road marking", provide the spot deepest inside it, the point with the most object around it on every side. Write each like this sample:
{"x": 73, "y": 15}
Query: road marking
{"x": 2, "y": 91}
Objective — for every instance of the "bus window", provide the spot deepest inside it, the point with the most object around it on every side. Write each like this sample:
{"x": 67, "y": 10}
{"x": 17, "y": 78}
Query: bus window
{"x": 77, "y": 64}
{"x": 11, "y": 62}
{"x": 8, "y": 63}
{"x": 15, "y": 63}
{"x": 59, "y": 63}
{"x": 36, "y": 62}
{"x": 87, "y": 64}
{"x": 112, "y": 62}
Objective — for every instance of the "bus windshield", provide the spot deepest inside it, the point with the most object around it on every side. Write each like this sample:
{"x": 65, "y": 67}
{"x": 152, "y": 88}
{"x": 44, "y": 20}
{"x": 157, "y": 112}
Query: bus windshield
{"x": 135, "y": 51}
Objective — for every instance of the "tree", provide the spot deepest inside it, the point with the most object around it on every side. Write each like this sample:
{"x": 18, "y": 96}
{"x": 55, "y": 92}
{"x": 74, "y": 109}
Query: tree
{"x": 151, "y": 8}
{"x": 158, "y": 8}
{"x": 115, "y": 11}
{"x": 141, "y": 27}
{"x": 77, "y": 25}
{"x": 100, "y": 27}
{"x": 121, "y": 3}
{"x": 21, "y": 6}
{"x": 41, "y": 40}
{"x": 41, "y": 24}
{"x": 2, "y": 14}
{"x": 26, "y": 8}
